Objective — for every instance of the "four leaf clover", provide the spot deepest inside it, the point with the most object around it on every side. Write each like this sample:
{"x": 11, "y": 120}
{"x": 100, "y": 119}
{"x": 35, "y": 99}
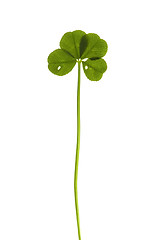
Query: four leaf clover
{"x": 88, "y": 49}
{"x": 78, "y": 46}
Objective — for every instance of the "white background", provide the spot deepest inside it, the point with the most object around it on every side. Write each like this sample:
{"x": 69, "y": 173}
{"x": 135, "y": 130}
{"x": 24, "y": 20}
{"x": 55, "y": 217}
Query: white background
{"x": 119, "y": 166}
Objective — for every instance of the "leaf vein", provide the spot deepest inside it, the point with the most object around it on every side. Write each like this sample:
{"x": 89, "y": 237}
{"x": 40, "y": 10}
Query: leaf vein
{"x": 75, "y": 45}
{"x": 94, "y": 68}
{"x": 91, "y": 47}
{"x": 62, "y": 62}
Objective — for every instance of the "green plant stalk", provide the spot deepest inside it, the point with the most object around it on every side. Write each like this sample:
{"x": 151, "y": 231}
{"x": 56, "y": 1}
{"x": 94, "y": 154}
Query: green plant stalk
{"x": 77, "y": 150}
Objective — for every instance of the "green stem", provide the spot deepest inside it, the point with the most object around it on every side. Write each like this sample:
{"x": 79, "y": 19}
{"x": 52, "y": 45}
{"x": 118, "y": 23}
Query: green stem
{"x": 77, "y": 151}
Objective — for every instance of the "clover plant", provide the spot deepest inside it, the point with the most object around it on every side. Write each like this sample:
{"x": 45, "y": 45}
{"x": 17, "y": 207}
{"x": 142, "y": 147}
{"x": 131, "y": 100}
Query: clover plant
{"x": 88, "y": 49}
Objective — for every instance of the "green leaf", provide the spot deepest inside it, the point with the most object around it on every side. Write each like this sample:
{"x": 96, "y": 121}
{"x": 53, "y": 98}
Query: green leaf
{"x": 92, "y": 46}
{"x": 94, "y": 69}
{"x": 71, "y": 42}
{"x": 60, "y": 62}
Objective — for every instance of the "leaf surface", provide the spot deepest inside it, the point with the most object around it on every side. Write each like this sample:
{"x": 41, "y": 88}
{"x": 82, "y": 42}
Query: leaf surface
{"x": 60, "y": 62}
{"x": 92, "y": 46}
{"x": 71, "y": 42}
{"x": 94, "y": 69}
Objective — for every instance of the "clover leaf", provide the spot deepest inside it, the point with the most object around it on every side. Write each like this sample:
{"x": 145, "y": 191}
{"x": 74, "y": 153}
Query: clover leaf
{"x": 77, "y": 46}
{"x": 71, "y": 42}
{"x": 60, "y": 62}
{"x": 92, "y": 46}
{"x": 94, "y": 69}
